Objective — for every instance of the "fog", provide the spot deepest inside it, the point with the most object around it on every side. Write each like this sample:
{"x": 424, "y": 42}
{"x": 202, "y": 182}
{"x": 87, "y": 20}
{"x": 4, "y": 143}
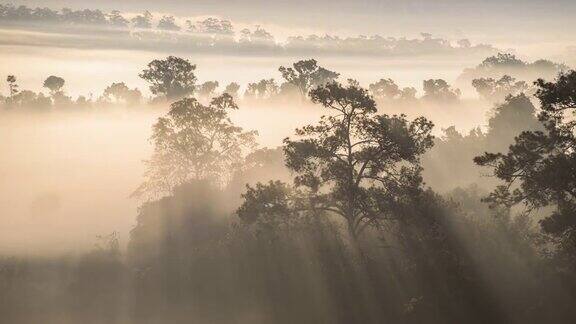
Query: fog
{"x": 287, "y": 162}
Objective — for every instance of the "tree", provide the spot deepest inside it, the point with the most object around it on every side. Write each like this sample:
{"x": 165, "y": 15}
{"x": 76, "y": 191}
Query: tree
{"x": 207, "y": 89}
{"x": 12, "y": 85}
{"x": 497, "y": 90}
{"x": 232, "y": 89}
{"x": 212, "y": 26}
{"x": 117, "y": 20}
{"x": 120, "y": 93}
{"x": 464, "y": 43}
{"x": 538, "y": 169}
{"x": 54, "y": 84}
{"x": 172, "y": 77}
{"x": 440, "y": 91}
{"x": 168, "y": 23}
{"x": 385, "y": 89}
{"x": 143, "y": 21}
{"x": 502, "y": 60}
{"x": 263, "y": 89}
{"x": 515, "y": 115}
{"x": 388, "y": 90}
{"x": 354, "y": 163}
{"x": 194, "y": 142}
{"x": 29, "y": 100}
{"x": 307, "y": 74}
{"x": 408, "y": 94}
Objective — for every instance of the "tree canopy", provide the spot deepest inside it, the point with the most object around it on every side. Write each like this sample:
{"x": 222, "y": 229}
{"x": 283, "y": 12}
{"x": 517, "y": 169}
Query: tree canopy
{"x": 538, "y": 169}
{"x": 172, "y": 77}
{"x": 354, "y": 163}
{"x": 54, "y": 83}
{"x": 497, "y": 90}
{"x": 195, "y": 142}
{"x": 307, "y": 74}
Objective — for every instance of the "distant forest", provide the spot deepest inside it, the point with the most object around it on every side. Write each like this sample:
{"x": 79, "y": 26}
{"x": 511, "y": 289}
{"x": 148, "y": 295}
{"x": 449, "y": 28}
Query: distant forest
{"x": 220, "y": 35}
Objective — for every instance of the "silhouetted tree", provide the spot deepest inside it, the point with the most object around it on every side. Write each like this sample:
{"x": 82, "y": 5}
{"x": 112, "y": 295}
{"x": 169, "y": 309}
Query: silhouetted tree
{"x": 143, "y": 21}
{"x": 172, "y": 77}
{"x": 120, "y": 93}
{"x": 263, "y": 89}
{"x": 29, "y": 100}
{"x": 54, "y": 84}
{"x": 438, "y": 90}
{"x": 207, "y": 89}
{"x": 13, "y": 86}
{"x": 384, "y": 89}
{"x": 388, "y": 90}
{"x": 496, "y": 90}
{"x": 168, "y": 23}
{"x": 212, "y": 26}
{"x": 502, "y": 59}
{"x": 194, "y": 142}
{"x": 306, "y": 75}
{"x": 232, "y": 89}
{"x": 354, "y": 163}
{"x": 117, "y": 20}
{"x": 515, "y": 115}
{"x": 538, "y": 168}
{"x": 508, "y": 64}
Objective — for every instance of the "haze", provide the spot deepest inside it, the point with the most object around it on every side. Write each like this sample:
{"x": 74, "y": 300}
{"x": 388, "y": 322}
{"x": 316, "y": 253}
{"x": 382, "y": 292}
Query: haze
{"x": 287, "y": 161}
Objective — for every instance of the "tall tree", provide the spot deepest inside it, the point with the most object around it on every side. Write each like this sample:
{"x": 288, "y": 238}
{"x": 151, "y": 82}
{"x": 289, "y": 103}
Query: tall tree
{"x": 354, "y": 163}
{"x": 13, "y": 86}
{"x": 195, "y": 142}
{"x": 172, "y": 77}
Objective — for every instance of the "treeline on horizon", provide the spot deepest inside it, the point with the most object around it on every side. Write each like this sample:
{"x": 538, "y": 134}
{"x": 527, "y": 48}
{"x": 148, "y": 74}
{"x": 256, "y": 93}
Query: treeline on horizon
{"x": 216, "y": 34}
{"x": 494, "y": 79}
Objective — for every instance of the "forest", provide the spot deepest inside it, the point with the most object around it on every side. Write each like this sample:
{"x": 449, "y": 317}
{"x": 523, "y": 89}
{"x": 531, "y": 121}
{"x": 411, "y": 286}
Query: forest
{"x": 385, "y": 203}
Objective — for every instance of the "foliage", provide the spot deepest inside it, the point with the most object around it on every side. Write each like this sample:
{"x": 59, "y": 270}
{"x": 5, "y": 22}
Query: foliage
{"x": 537, "y": 169}
{"x": 354, "y": 163}
{"x": 307, "y": 74}
{"x": 439, "y": 90}
{"x": 168, "y": 23}
{"x": 54, "y": 84}
{"x": 207, "y": 89}
{"x": 497, "y": 90}
{"x": 263, "y": 89}
{"x": 194, "y": 142}
{"x": 143, "y": 21}
{"x": 388, "y": 90}
{"x": 120, "y": 93}
{"x": 172, "y": 77}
